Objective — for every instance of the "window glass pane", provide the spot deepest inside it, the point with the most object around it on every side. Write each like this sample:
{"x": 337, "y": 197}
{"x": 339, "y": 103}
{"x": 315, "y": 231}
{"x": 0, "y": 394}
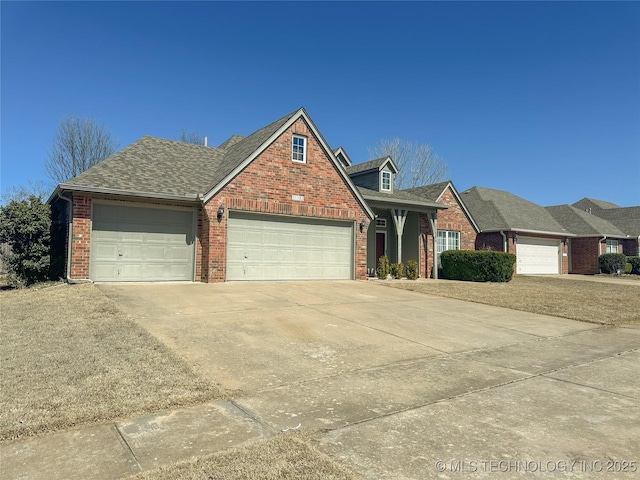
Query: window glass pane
{"x": 386, "y": 181}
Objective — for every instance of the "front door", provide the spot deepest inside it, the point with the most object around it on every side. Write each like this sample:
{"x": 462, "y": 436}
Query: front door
{"x": 380, "y": 246}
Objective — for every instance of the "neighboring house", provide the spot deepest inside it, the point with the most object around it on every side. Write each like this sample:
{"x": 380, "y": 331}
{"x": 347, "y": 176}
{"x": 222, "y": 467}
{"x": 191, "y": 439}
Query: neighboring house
{"x": 512, "y": 224}
{"x": 593, "y": 237}
{"x": 404, "y": 222}
{"x": 627, "y": 219}
{"x": 456, "y": 228}
{"x": 276, "y": 204}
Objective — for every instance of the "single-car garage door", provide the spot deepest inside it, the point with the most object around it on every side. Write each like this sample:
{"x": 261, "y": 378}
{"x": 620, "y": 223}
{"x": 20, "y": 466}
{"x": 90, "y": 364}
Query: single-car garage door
{"x": 262, "y": 247}
{"x": 141, "y": 244}
{"x": 538, "y": 255}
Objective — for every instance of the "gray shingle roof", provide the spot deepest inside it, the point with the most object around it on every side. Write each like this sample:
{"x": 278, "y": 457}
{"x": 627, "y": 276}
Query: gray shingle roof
{"x": 496, "y": 210}
{"x": 582, "y": 223}
{"x": 366, "y": 166}
{"x": 232, "y": 140}
{"x": 429, "y": 192}
{"x": 156, "y": 166}
{"x": 594, "y": 203}
{"x": 626, "y": 219}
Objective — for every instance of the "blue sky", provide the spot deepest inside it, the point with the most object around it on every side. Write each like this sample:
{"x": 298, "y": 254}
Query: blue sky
{"x": 541, "y": 99}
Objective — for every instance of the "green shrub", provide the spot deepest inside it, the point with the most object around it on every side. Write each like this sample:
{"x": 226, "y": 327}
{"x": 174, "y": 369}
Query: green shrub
{"x": 25, "y": 228}
{"x": 383, "y": 269}
{"x": 627, "y": 268}
{"x": 412, "y": 270}
{"x": 397, "y": 270}
{"x": 635, "y": 264}
{"x": 477, "y": 265}
{"x": 612, "y": 262}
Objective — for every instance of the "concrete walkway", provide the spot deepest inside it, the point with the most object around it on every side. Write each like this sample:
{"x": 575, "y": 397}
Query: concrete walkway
{"x": 394, "y": 384}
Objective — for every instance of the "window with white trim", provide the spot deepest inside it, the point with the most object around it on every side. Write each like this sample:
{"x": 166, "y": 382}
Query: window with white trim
{"x": 299, "y": 149}
{"x": 381, "y": 222}
{"x": 386, "y": 181}
{"x": 447, "y": 240}
{"x": 612, "y": 246}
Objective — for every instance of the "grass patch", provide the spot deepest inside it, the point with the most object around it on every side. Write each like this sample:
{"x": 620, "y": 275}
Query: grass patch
{"x": 70, "y": 356}
{"x": 282, "y": 457}
{"x": 588, "y": 301}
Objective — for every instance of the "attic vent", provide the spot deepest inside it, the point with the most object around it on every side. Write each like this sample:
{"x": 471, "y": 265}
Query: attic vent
{"x": 588, "y": 210}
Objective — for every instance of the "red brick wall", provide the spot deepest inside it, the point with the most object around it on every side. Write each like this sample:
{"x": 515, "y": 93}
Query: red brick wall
{"x": 454, "y": 218}
{"x": 584, "y": 256}
{"x": 267, "y": 185}
{"x": 426, "y": 247}
{"x": 81, "y": 239}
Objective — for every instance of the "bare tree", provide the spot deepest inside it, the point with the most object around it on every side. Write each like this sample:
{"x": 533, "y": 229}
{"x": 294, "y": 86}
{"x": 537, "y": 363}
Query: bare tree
{"x": 79, "y": 144}
{"x": 20, "y": 193}
{"x": 191, "y": 137}
{"x": 417, "y": 163}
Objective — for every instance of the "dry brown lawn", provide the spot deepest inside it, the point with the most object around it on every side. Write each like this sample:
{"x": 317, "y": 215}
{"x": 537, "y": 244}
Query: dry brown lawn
{"x": 608, "y": 303}
{"x": 70, "y": 356}
{"x": 282, "y": 457}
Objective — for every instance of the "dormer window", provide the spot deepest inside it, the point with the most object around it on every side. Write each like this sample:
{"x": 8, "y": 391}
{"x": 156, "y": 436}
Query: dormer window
{"x": 299, "y": 149}
{"x": 386, "y": 181}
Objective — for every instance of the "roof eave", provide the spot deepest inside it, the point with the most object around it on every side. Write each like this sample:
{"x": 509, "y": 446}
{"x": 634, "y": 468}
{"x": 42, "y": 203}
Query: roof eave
{"x": 188, "y": 198}
{"x": 521, "y": 230}
{"x": 415, "y": 206}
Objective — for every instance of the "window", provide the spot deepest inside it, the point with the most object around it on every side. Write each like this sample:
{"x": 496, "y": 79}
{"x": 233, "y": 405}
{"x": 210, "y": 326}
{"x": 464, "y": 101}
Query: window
{"x": 447, "y": 240}
{"x": 386, "y": 181}
{"x": 299, "y": 149}
{"x": 612, "y": 246}
{"x": 381, "y": 222}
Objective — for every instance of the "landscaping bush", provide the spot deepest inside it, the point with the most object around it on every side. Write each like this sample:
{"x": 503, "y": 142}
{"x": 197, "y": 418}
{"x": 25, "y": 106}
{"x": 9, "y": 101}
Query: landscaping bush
{"x": 383, "y": 269}
{"x": 412, "y": 270}
{"x": 627, "y": 268}
{"x": 612, "y": 262}
{"x": 635, "y": 264}
{"x": 477, "y": 266}
{"x": 25, "y": 228}
{"x": 397, "y": 270}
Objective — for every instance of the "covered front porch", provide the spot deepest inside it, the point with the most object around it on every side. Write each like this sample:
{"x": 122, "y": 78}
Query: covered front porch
{"x": 402, "y": 230}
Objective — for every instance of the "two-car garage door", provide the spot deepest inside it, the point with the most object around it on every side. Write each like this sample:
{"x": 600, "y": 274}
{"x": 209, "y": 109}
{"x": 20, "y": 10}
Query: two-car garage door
{"x": 263, "y": 247}
{"x": 537, "y": 256}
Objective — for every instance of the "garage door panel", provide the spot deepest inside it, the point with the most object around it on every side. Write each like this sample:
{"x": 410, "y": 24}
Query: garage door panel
{"x": 262, "y": 247}
{"x": 141, "y": 244}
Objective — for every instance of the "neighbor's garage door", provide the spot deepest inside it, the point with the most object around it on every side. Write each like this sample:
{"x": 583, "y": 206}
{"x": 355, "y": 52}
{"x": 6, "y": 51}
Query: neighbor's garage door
{"x": 537, "y": 256}
{"x": 141, "y": 244}
{"x": 262, "y": 247}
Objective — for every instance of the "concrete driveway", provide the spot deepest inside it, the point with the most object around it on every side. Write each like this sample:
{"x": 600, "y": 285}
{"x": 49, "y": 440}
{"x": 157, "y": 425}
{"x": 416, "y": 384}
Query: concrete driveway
{"x": 397, "y": 384}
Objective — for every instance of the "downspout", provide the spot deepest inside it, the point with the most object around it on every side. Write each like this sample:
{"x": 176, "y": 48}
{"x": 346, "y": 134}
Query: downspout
{"x": 433, "y": 222}
{"x": 70, "y": 242}
{"x": 599, "y": 250}
{"x": 505, "y": 246}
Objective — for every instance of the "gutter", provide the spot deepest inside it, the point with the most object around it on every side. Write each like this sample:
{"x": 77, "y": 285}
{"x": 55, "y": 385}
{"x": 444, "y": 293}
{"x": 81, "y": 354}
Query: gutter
{"x": 70, "y": 241}
{"x": 190, "y": 198}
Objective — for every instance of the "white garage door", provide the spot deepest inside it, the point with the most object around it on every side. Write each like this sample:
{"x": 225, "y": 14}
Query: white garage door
{"x": 141, "y": 244}
{"x": 262, "y": 247}
{"x": 537, "y": 256}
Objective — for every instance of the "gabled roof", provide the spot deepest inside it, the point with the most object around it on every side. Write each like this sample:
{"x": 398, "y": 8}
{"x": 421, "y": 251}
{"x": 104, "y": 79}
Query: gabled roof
{"x": 434, "y": 192}
{"x": 497, "y": 210}
{"x": 399, "y": 199}
{"x": 376, "y": 164}
{"x": 157, "y": 168}
{"x": 583, "y": 224}
{"x": 341, "y": 155}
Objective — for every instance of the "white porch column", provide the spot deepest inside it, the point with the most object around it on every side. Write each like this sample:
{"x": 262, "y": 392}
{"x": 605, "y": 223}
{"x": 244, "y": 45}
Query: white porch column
{"x": 399, "y": 217}
{"x": 433, "y": 221}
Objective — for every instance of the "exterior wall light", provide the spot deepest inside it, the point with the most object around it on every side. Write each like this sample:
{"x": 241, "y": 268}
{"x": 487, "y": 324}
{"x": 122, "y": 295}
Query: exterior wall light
{"x": 220, "y": 212}
{"x": 362, "y": 225}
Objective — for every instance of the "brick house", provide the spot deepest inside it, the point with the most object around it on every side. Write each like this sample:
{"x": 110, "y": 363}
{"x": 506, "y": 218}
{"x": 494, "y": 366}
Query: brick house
{"x": 456, "y": 229}
{"x": 512, "y": 224}
{"x": 276, "y": 204}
